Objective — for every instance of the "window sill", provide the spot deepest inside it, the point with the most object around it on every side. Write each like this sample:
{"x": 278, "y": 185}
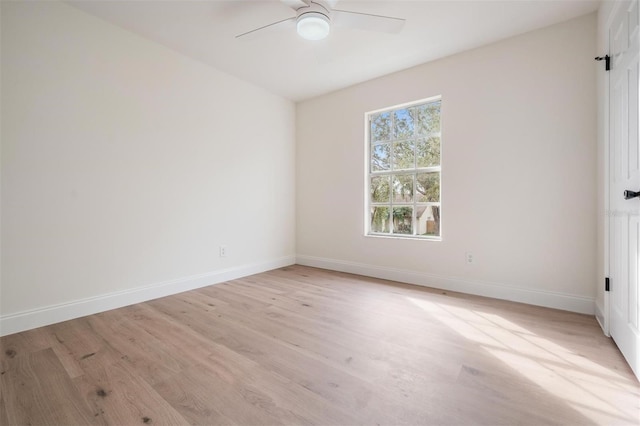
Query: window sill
{"x": 404, "y": 237}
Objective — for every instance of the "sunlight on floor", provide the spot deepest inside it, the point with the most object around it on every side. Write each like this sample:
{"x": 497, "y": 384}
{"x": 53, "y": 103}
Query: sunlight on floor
{"x": 588, "y": 387}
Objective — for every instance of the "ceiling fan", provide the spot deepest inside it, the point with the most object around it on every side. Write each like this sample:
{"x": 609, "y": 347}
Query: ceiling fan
{"x": 314, "y": 19}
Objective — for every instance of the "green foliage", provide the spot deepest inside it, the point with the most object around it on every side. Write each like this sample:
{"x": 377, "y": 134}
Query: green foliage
{"x": 428, "y": 118}
{"x": 403, "y": 123}
{"x": 380, "y": 190}
{"x": 380, "y": 157}
{"x": 403, "y": 155}
{"x": 380, "y": 219}
{"x": 428, "y": 187}
{"x": 381, "y": 127}
{"x": 402, "y": 220}
{"x": 403, "y": 188}
{"x": 428, "y": 152}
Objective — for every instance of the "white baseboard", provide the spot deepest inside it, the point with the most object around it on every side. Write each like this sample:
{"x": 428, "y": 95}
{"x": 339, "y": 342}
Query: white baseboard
{"x": 600, "y": 317}
{"x": 21, "y": 321}
{"x": 583, "y": 305}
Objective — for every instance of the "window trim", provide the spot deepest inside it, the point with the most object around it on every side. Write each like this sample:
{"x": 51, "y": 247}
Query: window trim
{"x": 368, "y": 173}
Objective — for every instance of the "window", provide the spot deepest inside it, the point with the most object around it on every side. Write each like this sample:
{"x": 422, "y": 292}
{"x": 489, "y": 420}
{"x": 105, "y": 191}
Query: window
{"x": 404, "y": 167}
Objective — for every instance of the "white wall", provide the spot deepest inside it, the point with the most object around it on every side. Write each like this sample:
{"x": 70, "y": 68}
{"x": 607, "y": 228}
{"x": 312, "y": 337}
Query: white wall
{"x": 518, "y": 180}
{"x": 126, "y": 165}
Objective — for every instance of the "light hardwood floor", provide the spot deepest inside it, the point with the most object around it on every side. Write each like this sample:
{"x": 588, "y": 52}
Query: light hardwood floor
{"x": 300, "y": 345}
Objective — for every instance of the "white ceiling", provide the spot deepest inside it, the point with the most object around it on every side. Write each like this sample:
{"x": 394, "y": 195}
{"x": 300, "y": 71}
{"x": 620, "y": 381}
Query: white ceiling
{"x": 283, "y": 63}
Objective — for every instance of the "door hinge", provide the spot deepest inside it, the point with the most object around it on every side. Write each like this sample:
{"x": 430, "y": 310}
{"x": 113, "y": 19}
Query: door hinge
{"x": 607, "y": 61}
{"x": 606, "y": 284}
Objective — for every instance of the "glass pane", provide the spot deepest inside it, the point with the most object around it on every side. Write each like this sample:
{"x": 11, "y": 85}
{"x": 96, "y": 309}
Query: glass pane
{"x": 428, "y": 220}
{"x": 380, "y": 157}
{"x": 403, "y": 155}
{"x": 428, "y": 187}
{"x": 403, "y": 123}
{"x": 428, "y": 152}
{"x": 380, "y": 189}
{"x": 403, "y": 188}
{"x": 380, "y": 219}
{"x": 403, "y": 220}
{"x": 381, "y": 127}
{"x": 428, "y": 119}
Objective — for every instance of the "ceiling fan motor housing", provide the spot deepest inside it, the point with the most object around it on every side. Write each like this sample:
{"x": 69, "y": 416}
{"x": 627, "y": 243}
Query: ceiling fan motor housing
{"x": 313, "y": 22}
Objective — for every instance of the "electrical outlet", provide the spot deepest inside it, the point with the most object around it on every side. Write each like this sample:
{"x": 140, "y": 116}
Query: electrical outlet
{"x": 468, "y": 258}
{"x": 223, "y": 251}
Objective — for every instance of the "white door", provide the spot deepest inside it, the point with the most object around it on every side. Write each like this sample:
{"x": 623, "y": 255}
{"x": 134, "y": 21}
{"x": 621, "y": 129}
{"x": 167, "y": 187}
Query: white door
{"x": 624, "y": 157}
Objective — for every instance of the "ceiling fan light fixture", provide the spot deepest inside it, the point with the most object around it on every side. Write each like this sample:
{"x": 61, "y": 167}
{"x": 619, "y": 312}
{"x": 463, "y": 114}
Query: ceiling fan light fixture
{"x": 313, "y": 26}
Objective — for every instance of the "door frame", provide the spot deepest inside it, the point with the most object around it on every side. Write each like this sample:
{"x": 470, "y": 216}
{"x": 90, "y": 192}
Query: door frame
{"x": 605, "y": 134}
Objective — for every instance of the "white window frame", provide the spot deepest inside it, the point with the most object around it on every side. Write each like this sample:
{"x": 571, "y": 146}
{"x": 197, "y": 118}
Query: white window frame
{"x": 368, "y": 204}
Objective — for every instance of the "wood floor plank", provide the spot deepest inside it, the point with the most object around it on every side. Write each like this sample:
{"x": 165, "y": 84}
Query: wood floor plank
{"x": 177, "y": 336}
{"x": 199, "y": 317}
{"x": 150, "y": 356}
{"x": 37, "y": 390}
{"x": 241, "y": 388}
{"x": 4, "y": 420}
{"x": 18, "y": 344}
{"x": 74, "y": 342}
{"x": 119, "y": 396}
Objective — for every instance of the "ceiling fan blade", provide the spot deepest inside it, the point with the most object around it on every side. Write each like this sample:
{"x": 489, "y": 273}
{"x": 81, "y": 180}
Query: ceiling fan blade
{"x": 248, "y": 35}
{"x": 367, "y": 21}
{"x": 331, "y": 3}
{"x": 295, "y": 4}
